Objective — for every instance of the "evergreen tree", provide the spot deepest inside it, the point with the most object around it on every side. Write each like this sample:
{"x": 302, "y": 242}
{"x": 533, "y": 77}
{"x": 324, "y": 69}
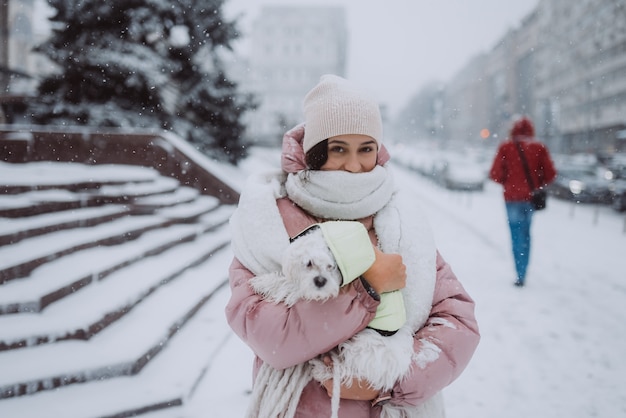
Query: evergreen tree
{"x": 147, "y": 64}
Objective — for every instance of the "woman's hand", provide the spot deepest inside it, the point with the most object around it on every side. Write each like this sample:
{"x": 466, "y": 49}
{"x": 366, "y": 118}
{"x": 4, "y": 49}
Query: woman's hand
{"x": 388, "y": 272}
{"x": 359, "y": 390}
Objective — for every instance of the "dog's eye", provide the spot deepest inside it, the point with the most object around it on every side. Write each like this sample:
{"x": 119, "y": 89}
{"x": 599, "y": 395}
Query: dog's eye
{"x": 309, "y": 264}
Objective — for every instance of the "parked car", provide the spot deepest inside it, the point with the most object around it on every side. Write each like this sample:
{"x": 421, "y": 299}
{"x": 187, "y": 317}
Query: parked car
{"x": 581, "y": 185}
{"x": 456, "y": 172}
{"x": 413, "y": 157}
{"x": 618, "y": 195}
{"x": 616, "y": 173}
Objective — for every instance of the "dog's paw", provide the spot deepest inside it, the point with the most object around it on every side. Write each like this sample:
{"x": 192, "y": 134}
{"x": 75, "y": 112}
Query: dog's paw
{"x": 362, "y": 354}
{"x": 274, "y": 287}
{"x": 319, "y": 370}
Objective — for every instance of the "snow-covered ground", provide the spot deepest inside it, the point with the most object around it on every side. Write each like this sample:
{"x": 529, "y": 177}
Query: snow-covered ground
{"x": 552, "y": 349}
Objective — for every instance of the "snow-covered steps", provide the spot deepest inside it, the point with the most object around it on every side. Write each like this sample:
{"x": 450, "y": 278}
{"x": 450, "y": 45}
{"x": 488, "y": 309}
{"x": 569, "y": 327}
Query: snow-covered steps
{"x": 122, "y": 349}
{"x": 166, "y": 383}
{"x": 66, "y": 275}
{"x": 20, "y": 259}
{"x": 43, "y": 187}
{"x": 14, "y": 230}
{"x": 180, "y": 195}
{"x": 105, "y": 270}
{"x": 48, "y": 175}
{"x": 125, "y": 289}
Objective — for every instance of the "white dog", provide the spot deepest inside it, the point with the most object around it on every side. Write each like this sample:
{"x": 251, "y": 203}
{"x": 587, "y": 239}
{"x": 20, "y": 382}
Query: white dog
{"x": 310, "y": 272}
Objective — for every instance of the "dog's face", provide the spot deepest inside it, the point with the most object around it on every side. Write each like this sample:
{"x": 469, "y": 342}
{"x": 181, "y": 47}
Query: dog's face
{"x": 309, "y": 264}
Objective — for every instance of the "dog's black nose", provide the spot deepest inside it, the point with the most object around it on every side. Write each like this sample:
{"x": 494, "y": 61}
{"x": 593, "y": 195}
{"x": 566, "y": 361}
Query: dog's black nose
{"x": 319, "y": 281}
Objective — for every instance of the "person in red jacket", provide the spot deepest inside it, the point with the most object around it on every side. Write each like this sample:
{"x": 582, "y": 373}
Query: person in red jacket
{"x": 508, "y": 170}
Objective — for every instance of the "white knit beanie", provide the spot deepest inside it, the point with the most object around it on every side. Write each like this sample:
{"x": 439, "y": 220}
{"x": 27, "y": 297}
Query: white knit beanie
{"x": 335, "y": 107}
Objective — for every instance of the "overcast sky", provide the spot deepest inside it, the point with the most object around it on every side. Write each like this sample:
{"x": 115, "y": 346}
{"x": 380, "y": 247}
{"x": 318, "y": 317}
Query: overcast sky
{"x": 396, "y": 46}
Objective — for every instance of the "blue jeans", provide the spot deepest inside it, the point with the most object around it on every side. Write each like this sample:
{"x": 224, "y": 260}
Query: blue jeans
{"x": 520, "y": 215}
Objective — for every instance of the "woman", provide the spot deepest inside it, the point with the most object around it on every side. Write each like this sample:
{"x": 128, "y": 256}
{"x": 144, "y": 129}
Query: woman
{"x": 333, "y": 168}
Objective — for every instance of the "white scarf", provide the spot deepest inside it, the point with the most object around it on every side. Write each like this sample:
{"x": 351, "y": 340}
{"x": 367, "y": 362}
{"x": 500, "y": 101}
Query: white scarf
{"x": 341, "y": 195}
{"x": 259, "y": 237}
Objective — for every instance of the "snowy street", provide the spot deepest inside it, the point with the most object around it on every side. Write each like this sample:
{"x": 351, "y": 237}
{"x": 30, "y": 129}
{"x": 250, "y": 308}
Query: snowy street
{"x": 128, "y": 131}
{"x": 554, "y": 348}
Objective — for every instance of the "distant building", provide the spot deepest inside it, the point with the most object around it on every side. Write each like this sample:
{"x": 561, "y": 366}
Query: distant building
{"x": 290, "y": 48}
{"x": 465, "y": 104}
{"x": 23, "y": 25}
{"x": 581, "y": 82}
{"x": 564, "y": 66}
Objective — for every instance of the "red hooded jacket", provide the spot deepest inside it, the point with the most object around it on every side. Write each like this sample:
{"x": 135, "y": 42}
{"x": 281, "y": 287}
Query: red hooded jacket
{"x": 508, "y": 170}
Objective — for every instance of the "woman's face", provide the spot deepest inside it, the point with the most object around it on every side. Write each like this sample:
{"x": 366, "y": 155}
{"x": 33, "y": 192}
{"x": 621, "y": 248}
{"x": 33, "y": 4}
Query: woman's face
{"x": 353, "y": 153}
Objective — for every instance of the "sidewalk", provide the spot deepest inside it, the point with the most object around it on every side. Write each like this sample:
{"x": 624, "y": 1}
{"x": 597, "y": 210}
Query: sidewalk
{"x": 553, "y": 348}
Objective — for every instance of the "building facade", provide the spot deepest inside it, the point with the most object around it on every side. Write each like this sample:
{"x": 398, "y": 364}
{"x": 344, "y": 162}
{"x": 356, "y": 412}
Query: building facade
{"x": 23, "y": 25}
{"x": 290, "y": 48}
{"x": 564, "y": 66}
{"x": 581, "y": 83}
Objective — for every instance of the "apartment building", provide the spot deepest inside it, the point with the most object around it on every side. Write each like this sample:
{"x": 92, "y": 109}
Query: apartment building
{"x": 565, "y": 66}
{"x": 23, "y": 25}
{"x": 582, "y": 77}
{"x": 290, "y": 48}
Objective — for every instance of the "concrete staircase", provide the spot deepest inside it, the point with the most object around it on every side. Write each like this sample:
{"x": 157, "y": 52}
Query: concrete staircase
{"x": 108, "y": 280}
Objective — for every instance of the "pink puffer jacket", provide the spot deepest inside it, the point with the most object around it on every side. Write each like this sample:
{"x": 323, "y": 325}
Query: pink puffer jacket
{"x": 284, "y": 337}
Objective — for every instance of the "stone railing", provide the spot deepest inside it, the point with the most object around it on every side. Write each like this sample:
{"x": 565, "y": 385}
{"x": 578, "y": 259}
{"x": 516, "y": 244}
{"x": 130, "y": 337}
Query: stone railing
{"x": 165, "y": 152}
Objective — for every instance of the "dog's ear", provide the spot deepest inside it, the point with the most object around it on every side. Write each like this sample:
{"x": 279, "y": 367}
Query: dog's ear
{"x": 293, "y": 254}
{"x": 290, "y": 267}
